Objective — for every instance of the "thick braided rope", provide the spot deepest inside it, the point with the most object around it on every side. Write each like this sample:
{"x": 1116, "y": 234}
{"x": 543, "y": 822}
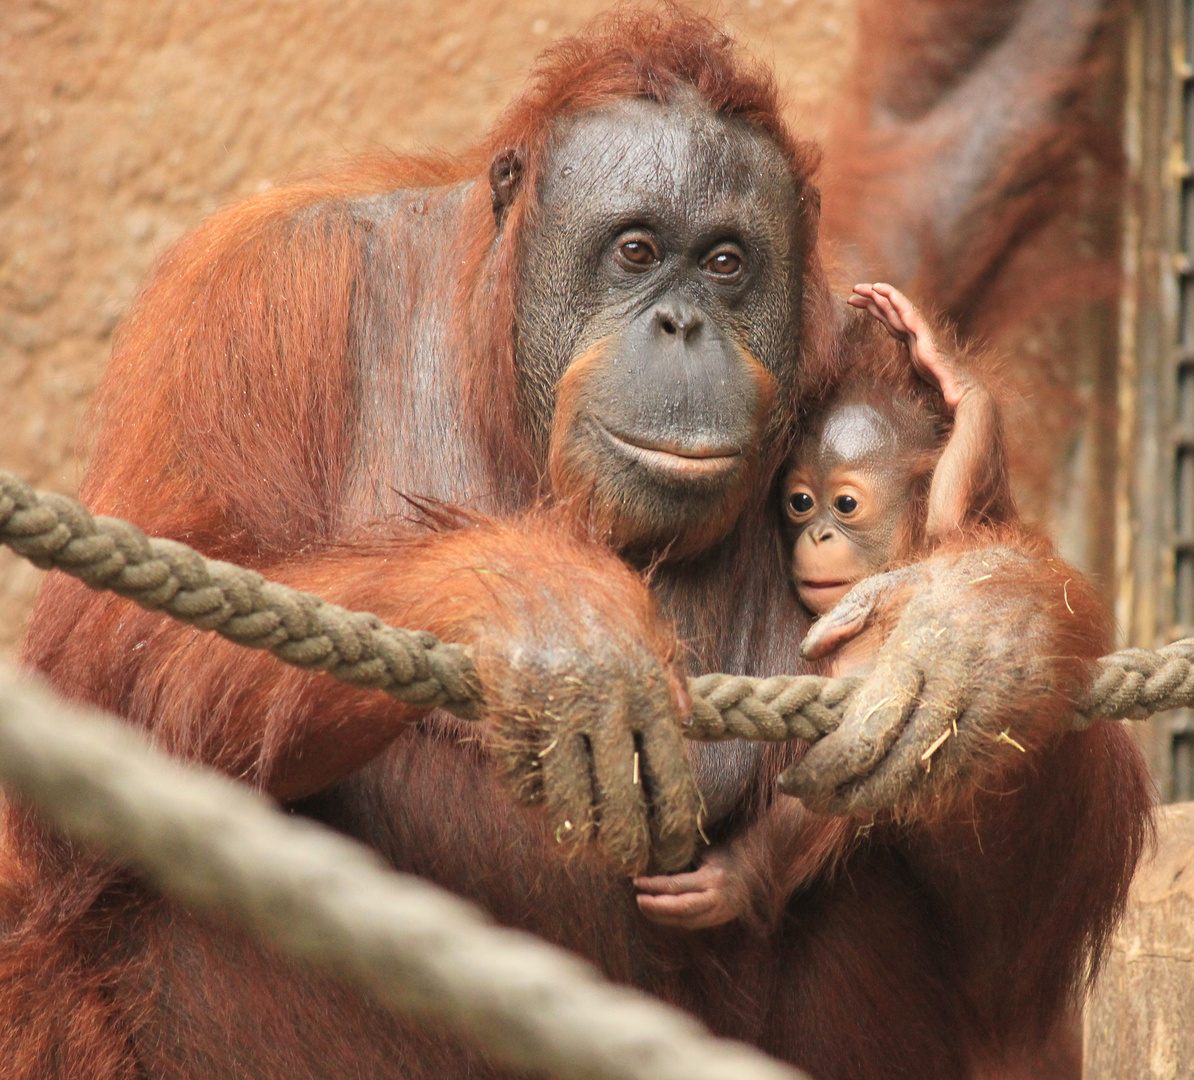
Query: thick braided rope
{"x": 766, "y": 710}
{"x": 1135, "y": 683}
{"x": 216, "y": 846}
{"x": 56, "y": 532}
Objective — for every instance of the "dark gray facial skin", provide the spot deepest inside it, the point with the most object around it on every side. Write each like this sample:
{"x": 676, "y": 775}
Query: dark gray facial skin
{"x": 657, "y": 315}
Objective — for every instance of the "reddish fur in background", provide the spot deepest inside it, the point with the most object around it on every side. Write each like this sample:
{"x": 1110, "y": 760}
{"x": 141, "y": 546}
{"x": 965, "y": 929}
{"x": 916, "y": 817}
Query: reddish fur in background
{"x": 927, "y": 75}
{"x": 940, "y": 944}
{"x": 976, "y": 161}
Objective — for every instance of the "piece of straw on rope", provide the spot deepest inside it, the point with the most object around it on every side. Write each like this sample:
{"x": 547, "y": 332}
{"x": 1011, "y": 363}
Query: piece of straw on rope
{"x": 215, "y": 845}
{"x": 414, "y": 666}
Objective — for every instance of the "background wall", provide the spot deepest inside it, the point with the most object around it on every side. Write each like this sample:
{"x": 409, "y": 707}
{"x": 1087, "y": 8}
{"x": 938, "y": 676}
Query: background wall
{"x": 123, "y": 123}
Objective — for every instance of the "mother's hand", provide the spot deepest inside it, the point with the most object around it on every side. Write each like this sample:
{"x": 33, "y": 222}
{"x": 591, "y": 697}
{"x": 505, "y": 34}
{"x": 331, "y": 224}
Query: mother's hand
{"x": 988, "y": 653}
{"x": 582, "y": 697}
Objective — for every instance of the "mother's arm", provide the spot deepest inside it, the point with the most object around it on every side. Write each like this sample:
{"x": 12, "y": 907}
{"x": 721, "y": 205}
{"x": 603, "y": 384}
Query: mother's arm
{"x": 1024, "y": 832}
{"x": 234, "y": 417}
{"x": 990, "y": 651}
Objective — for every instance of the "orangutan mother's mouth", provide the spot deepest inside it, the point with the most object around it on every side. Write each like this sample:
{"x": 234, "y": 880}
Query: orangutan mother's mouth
{"x": 700, "y": 460}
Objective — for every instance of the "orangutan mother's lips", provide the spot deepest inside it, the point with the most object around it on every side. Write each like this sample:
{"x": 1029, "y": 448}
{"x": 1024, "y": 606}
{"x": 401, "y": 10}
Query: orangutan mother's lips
{"x": 694, "y": 461}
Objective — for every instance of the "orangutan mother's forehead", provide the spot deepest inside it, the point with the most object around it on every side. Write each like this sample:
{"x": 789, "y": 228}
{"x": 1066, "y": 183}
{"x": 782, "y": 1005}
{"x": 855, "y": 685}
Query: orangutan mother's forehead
{"x": 637, "y": 156}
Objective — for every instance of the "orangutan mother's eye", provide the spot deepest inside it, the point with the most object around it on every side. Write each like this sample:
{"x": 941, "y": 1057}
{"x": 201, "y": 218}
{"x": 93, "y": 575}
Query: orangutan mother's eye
{"x": 725, "y": 261}
{"x": 637, "y": 252}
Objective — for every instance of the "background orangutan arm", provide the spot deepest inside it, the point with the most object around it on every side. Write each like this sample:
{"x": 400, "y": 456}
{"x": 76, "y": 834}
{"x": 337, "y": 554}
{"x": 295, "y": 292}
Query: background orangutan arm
{"x": 959, "y": 138}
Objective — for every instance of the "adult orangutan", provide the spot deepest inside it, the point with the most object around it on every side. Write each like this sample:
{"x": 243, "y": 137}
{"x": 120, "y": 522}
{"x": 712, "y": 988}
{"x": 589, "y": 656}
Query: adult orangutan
{"x": 615, "y": 309}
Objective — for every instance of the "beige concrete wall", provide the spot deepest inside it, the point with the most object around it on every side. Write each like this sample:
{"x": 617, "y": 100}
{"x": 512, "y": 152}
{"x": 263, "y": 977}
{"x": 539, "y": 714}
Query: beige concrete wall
{"x": 1140, "y": 1019}
{"x": 125, "y": 122}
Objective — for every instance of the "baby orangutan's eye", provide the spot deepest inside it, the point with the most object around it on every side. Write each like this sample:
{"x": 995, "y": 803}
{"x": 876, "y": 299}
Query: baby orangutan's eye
{"x": 845, "y": 504}
{"x": 801, "y": 502}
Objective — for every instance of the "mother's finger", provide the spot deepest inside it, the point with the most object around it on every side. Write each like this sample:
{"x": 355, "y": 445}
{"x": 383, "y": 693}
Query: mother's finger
{"x": 873, "y": 723}
{"x": 856, "y": 611}
{"x": 671, "y": 792}
{"x": 907, "y": 769}
{"x": 568, "y": 787}
{"x": 617, "y": 768}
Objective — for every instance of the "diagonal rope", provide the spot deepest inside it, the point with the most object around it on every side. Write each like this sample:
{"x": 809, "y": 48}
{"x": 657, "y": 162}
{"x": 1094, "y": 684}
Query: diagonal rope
{"x": 419, "y": 950}
{"x": 414, "y": 666}
{"x": 56, "y": 532}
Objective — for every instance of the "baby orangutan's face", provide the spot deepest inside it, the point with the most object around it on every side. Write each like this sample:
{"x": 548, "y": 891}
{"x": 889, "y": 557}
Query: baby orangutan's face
{"x": 844, "y": 496}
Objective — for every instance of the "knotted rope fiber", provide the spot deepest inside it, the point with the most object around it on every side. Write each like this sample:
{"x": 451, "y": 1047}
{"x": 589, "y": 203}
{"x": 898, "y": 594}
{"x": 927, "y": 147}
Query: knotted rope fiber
{"x": 414, "y": 666}
{"x": 215, "y": 845}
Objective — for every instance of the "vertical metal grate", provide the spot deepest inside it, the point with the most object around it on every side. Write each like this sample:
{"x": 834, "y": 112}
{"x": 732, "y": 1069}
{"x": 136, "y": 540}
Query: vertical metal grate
{"x": 1181, "y": 414}
{"x": 1155, "y": 386}
{"x": 1183, "y": 254}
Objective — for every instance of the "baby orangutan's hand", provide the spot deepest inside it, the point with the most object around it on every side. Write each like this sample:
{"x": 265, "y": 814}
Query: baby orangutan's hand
{"x": 905, "y": 323}
{"x": 713, "y": 894}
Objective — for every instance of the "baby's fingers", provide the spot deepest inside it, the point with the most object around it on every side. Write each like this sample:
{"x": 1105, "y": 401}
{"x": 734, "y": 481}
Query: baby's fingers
{"x": 893, "y": 313}
{"x": 670, "y": 884}
{"x": 689, "y": 911}
{"x": 856, "y": 611}
{"x": 880, "y": 308}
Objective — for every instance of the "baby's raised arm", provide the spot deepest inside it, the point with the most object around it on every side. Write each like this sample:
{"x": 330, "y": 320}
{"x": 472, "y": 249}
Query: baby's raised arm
{"x": 970, "y": 481}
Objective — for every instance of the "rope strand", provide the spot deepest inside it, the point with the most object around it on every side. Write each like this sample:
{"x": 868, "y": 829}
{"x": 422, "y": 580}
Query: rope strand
{"x": 55, "y": 532}
{"x": 319, "y": 897}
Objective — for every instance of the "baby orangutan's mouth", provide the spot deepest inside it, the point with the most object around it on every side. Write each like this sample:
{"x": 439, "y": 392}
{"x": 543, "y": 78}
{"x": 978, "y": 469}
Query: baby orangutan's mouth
{"x": 820, "y": 597}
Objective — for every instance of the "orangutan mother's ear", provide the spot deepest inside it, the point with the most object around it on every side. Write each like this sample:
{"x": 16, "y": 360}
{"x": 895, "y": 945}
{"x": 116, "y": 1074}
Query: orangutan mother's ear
{"x": 505, "y": 173}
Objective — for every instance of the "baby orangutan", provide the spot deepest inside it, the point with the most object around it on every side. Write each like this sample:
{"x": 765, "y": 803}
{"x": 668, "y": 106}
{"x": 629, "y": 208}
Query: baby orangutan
{"x": 869, "y": 488}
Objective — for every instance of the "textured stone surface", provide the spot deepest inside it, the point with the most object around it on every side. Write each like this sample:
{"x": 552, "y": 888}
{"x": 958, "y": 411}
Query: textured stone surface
{"x": 1140, "y": 1019}
{"x": 123, "y": 123}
